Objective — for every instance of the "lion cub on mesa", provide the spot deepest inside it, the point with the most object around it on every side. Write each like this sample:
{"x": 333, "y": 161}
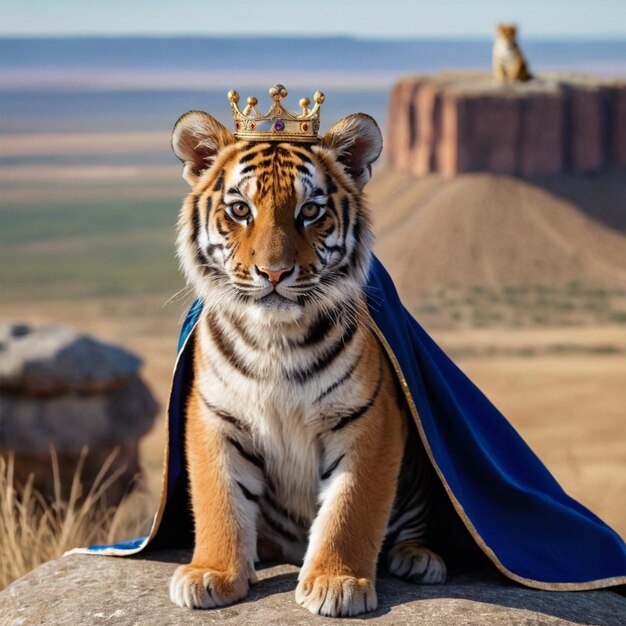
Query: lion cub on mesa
{"x": 508, "y": 61}
{"x": 296, "y": 425}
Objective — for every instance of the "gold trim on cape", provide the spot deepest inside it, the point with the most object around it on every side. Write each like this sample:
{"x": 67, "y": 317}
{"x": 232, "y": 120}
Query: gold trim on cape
{"x": 537, "y": 584}
{"x": 158, "y": 516}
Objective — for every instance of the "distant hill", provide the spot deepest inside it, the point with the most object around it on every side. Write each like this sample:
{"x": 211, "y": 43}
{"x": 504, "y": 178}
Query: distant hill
{"x": 490, "y": 232}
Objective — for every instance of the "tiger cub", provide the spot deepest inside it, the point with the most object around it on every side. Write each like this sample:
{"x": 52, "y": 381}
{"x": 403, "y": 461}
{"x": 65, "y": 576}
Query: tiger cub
{"x": 508, "y": 61}
{"x": 296, "y": 426}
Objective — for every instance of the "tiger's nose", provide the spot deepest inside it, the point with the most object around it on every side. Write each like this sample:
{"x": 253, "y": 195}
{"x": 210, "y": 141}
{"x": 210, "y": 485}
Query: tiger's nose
{"x": 274, "y": 275}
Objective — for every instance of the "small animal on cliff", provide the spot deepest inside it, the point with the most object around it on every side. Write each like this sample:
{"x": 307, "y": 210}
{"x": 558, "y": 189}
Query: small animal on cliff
{"x": 296, "y": 423}
{"x": 509, "y": 64}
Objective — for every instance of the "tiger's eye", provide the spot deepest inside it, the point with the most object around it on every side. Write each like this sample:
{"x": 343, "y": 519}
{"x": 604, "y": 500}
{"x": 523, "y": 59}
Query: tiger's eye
{"x": 240, "y": 210}
{"x": 310, "y": 210}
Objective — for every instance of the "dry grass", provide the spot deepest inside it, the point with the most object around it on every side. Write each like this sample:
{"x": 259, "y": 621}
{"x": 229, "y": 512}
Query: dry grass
{"x": 34, "y": 530}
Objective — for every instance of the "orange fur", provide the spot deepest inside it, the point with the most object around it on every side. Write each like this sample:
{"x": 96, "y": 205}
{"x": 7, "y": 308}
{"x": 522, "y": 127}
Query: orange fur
{"x": 356, "y": 532}
{"x": 217, "y": 546}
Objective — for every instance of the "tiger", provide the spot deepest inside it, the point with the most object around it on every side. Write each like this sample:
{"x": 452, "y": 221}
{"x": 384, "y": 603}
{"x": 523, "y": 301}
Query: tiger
{"x": 509, "y": 63}
{"x": 297, "y": 429}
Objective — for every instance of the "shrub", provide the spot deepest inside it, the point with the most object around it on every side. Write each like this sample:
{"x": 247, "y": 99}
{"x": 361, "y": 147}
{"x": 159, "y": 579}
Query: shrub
{"x": 34, "y": 530}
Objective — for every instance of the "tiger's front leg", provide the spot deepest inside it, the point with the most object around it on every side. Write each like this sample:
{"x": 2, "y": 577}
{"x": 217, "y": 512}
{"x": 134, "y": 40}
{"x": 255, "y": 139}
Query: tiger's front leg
{"x": 338, "y": 575}
{"x": 222, "y": 566}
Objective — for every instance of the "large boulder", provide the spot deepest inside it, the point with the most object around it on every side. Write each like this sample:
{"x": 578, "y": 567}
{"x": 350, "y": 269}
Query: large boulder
{"x": 68, "y": 391}
{"x": 82, "y": 589}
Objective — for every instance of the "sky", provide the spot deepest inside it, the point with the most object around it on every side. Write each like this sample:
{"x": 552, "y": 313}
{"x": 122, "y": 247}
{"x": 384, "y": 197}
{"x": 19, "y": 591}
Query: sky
{"x": 380, "y": 19}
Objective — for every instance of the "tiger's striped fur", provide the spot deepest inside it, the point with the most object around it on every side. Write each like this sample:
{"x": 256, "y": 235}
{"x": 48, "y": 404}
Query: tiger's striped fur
{"x": 296, "y": 424}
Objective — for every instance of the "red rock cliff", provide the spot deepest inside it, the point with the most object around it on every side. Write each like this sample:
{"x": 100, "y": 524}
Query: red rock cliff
{"x": 465, "y": 122}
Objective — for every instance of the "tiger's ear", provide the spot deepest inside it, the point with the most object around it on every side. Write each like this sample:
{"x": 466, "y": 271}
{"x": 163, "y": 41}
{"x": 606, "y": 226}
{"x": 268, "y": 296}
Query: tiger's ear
{"x": 197, "y": 139}
{"x": 357, "y": 142}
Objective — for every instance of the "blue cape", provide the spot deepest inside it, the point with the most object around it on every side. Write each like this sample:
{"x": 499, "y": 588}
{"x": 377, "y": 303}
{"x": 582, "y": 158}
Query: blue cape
{"x": 498, "y": 492}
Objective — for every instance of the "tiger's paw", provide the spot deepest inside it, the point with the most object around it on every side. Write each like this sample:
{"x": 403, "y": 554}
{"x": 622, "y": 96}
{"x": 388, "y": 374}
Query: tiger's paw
{"x": 199, "y": 588}
{"x": 337, "y": 596}
{"x": 411, "y": 561}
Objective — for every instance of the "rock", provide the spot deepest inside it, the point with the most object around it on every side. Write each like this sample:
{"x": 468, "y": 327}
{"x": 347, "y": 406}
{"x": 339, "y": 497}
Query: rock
{"x": 73, "y": 420}
{"x": 81, "y": 589}
{"x": 50, "y": 359}
{"x": 456, "y": 122}
{"x": 68, "y": 391}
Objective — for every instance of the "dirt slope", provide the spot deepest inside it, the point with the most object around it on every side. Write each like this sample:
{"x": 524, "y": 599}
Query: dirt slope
{"x": 489, "y": 230}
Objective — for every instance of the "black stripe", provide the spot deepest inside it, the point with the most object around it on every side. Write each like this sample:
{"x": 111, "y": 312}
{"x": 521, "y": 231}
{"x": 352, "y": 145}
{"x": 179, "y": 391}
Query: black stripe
{"x": 279, "y": 528}
{"x": 283, "y": 152}
{"x": 331, "y": 187}
{"x": 196, "y": 221}
{"x": 319, "y": 255}
{"x": 329, "y": 230}
{"x": 213, "y": 247}
{"x": 219, "y": 183}
{"x": 248, "y": 168}
{"x": 227, "y": 417}
{"x": 330, "y": 205}
{"x": 242, "y": 331}
{"x": 248, "y": 157}
{"x": 268, "y": 151}
{"x": 345, "y": 212}
{"x": 341, "y": 249}
{"x": 201, "y": 256}
{"x": 300, "y": 521}
{"x": 303, "y": 170}
{"x": 226, "y": 347}
{"x": 301, "y": 375}
{"x": 253, "y": 458}
{"x": 332, "y": 468}
{"x": 209, "y": 208}
{"x": 318, "y": 330}
{"x": 247, "y": 494}
{"x": 306, "y": 158}
{"x": 220, "y": 227}
{"x": 362, "y": 410}
{"x": 342, "y": 380}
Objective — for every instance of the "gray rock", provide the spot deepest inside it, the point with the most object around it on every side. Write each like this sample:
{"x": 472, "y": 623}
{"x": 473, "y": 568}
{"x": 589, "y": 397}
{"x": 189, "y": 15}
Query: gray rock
{"x": 71, "y": 421}
{"x": 63, "y": 390}
{"x": 47, "y": 360}
{"x": 86, "y": 590}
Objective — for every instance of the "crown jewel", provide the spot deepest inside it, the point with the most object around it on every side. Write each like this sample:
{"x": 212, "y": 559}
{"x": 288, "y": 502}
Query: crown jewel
{"x": 277, "y": 124}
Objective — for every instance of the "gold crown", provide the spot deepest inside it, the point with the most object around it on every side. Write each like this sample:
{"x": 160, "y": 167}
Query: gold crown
{"x": 277, "y": 124}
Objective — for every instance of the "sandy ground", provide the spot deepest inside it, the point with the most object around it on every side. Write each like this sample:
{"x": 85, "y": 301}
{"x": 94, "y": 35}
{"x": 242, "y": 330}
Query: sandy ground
{"x": 569, "y": 408}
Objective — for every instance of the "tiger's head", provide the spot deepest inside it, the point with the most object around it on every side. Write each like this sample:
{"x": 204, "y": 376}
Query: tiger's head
{"x": 506, "y": 32}
{"x": 272, "y": 228}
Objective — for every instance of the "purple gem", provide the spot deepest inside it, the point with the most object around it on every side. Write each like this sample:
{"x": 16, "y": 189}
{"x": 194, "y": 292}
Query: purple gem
{"x": 279, "y": 125}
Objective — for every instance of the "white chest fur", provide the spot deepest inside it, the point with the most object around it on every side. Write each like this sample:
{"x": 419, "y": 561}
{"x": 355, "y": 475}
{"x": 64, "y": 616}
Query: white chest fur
{"x": 503, "y": 50}
{"x": 286, "y": 415}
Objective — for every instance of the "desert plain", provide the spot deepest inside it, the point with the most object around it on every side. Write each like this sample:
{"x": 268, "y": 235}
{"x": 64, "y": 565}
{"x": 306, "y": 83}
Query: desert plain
{"x": 519, "y": 281}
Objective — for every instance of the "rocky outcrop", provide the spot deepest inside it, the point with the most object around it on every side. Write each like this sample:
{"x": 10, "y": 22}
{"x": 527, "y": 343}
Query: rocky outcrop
{"x": 455, "y": 122}
{"x": 80, "y": 589}
{"x": 68, "y": 391}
